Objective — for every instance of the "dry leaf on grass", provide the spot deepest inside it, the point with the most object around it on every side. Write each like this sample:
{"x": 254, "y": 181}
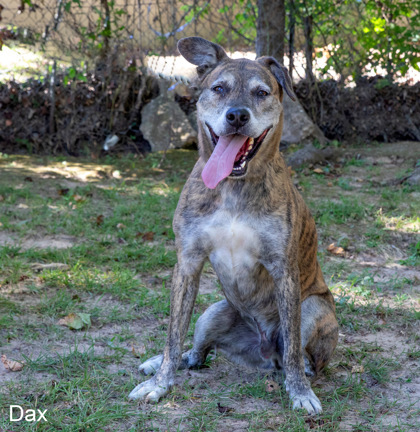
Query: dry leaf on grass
{"x": 76, "y": 321}
{"x": 271, "y": 386}
{"x": 121, "y": 226}
{"x": 147, "y": 236}
{"x": 318, "y": 171}
{"x": 138, "y": 350}
{"x": 357, "y": 369}
{"x": 49, "y": 266}
{"x": 100, "y": 220}
{"x": 12, "y": 365}
{"x": 78, "y": 198}
{"x": 336, "y": 250}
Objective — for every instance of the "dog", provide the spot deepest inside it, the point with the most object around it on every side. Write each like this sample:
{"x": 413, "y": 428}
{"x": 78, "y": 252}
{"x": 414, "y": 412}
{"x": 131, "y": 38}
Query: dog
{"x": 240, "y": 210}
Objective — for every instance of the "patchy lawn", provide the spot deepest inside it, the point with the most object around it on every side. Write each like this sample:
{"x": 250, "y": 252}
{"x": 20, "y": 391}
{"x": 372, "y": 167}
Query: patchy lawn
{"x": 94, "y": 238}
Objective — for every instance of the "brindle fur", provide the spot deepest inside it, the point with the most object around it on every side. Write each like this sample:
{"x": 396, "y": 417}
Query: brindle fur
{"x": 260, "y": 238}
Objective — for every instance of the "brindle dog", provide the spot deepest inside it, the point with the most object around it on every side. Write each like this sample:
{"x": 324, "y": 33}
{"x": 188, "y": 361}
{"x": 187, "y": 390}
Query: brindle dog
{"x": 240, "y": 209}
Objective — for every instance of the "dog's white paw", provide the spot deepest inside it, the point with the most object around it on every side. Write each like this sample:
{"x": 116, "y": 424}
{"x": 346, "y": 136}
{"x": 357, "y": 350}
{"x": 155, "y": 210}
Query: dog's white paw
{"x": 308, "y": 401}
{"x": 151, "y": 366}
{"x": 150, "y": 391}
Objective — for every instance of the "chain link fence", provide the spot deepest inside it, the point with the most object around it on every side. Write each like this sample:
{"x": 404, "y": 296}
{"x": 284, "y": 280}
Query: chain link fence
{"x": 81, "y": 30}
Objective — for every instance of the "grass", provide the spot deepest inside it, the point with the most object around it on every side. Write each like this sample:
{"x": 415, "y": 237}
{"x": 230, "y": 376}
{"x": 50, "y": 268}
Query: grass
{"x": 104, "y": 227}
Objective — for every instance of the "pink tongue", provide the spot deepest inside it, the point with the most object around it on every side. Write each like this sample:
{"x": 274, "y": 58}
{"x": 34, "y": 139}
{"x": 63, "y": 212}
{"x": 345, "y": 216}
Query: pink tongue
{"x": 220, "y": 164}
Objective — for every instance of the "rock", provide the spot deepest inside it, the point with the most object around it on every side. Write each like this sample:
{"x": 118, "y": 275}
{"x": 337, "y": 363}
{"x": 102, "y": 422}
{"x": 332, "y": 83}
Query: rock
{"x": 165, "y": 125}
{"x": 309, "y": 154}
{"x": 414, "y": 178}
{"x": 192, "y": 117}
{"x": 298, "y": 127}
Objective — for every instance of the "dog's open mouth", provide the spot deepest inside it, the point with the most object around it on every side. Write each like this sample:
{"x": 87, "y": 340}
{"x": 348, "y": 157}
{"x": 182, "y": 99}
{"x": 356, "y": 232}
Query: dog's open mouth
{"x": 230, "y": 156}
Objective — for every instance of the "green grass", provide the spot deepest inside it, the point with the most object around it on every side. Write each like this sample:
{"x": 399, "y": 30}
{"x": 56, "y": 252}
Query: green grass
{"x": 119, "y": 273}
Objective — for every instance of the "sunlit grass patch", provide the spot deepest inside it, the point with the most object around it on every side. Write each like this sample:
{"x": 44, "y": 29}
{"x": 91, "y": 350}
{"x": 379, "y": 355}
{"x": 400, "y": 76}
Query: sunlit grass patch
{"x": 327, "y": 212}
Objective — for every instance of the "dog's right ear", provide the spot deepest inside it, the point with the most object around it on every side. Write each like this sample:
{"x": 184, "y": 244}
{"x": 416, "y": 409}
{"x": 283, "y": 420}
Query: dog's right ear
{"x": 201, "y": 52}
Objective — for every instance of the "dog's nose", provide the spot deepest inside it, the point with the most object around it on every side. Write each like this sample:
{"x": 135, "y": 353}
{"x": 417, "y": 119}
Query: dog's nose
{"x": 237, "y": 117}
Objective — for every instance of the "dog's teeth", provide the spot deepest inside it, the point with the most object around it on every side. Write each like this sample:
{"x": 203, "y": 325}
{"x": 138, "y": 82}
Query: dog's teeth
{"x": 251, "y": 141}
{"x": 243, "y": 164}
{"x": 246, "y": 153}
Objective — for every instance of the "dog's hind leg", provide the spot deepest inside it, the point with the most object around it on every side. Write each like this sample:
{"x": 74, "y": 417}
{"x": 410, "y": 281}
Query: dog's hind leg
{"x": 319, "y": 333}
{"x": 223, "y": 328}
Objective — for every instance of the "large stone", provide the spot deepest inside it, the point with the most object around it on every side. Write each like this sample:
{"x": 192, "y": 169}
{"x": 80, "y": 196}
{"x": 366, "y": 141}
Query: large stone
{"x": 309, "y": 155}
{"x": 298, "y": 127}
{"x": 414, "y": 178}
{"x": 165, "y": 125}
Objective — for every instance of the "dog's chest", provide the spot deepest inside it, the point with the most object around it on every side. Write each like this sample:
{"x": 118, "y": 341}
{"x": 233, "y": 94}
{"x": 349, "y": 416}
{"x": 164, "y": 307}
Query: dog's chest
{"x": 233, "y": 244}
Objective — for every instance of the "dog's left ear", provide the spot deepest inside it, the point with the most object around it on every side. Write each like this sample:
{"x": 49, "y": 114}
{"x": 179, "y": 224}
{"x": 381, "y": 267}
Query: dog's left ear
{"x": 201, "y": 52}
{"x": 281, "y": 74}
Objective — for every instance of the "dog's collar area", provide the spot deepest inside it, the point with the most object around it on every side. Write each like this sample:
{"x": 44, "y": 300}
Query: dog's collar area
{"x": 245, "y": 154}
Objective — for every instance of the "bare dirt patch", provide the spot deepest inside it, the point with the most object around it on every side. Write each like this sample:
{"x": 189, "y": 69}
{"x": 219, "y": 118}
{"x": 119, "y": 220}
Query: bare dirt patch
{"x": 38, "y": 242}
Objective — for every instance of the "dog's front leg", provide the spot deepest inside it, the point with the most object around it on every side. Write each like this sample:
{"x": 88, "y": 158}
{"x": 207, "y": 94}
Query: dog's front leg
{"x": 183, "y": 295}
{"x": 286, "y": 278}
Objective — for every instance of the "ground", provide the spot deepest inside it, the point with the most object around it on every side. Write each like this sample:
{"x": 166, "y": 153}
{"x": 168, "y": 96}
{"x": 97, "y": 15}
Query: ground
{"x": 94, "y": 237}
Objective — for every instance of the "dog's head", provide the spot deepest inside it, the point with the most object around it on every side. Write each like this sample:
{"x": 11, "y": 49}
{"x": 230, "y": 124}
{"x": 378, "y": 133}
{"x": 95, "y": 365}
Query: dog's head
{"x": 240, "y": 111}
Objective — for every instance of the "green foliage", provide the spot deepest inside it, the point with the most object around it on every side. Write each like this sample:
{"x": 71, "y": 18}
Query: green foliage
{"x": 359, "y": 35}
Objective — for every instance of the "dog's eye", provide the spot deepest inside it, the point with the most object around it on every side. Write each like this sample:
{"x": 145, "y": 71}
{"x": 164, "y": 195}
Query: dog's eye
{"x": 218, "y": 89}
{"x": 262, "y": 93}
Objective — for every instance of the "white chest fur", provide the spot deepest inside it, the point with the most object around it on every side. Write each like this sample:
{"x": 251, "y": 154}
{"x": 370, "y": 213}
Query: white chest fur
{"x": 233, "y": 244}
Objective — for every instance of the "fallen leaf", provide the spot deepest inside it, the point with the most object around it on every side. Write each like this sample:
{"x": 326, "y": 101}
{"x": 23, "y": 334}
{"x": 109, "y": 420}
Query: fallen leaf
{"x": 318, "y": 171}
{"x": 223, "y": 410}
{"x": 121, "y": 226}
{"x": 329, "y": 184}
{"x": 49, "y": 266}
{"x": 78, "y": 198}
{"x": 28, "y": 179}
{"x": 12, "y": 365}
{"x": 22, "y": 206}
{"x": 100, "y": 220}
{"x": 332, "y": 248}
{"x": 357, "y": 369}
{"x": 271, "y": 386}
{"x": 1, "y": 198}
{"x": 9, "y": 123}
{"x": 116, "y": 174}
{"x": 147, "y": 236}
{"x": 138, "y": 350}
{"x": 76, "y": 321}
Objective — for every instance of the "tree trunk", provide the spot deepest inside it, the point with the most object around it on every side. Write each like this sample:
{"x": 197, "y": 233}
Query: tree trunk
{"x": 270, "y": 29}
{"x": 309, "y": 46}
{"x": 292, "y": 21}
{"x": 106, "y": 32}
